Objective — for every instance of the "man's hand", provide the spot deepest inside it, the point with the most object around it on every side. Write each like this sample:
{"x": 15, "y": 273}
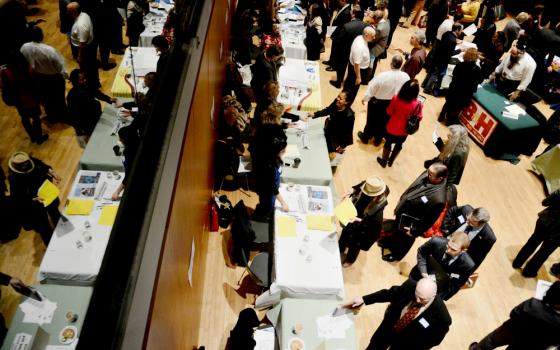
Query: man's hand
{"x": 358, "y": 80}
{"x": 56, "y": 178}
{"x": 514, "y": 95}
{"x": 356, "y": 219}
{"x": 356, "y": 303}
{"x": 492, "y": 77}
{"x": 285, "y": 207}
{"x": 115, "y": 196}
{"x": 17, "y": 284}
{"x": 39, "y": 199}
{"x": 310, "y": 115}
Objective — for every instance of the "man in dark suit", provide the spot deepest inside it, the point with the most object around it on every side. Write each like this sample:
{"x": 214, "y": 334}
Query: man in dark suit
{"x": 443, "y": 52}
{"x": 448, "y": 260}
{"x": 546, "y": 235}
{"x": 416, "y": 318}
{"x": 266, "y": 68}
{"x": 345, "y": 38}
{"x": 417, "y": 210}
{"x": 533, "y": 324}
{"x": 343, "y": 16}
{"x": 474, "y": 222}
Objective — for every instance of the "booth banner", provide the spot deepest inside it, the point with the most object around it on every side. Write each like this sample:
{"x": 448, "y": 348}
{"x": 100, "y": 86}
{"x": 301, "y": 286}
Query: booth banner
{"x": 479, "y": 123}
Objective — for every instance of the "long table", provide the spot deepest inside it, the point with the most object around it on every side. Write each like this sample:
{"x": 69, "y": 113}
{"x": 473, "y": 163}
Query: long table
{"x": 145, "y": 60}
{"x": 314, "y": 323}
{"x": 153, "y": 26}
{"x": 314, "y": 168}
{"x": 75, "y": 253}
{"x": 293, "y": 36}
{"x": 38, "y": 336}
{"x": 99, "y": 154}
{"x": 496, "y": 134}
{"x": 300, "y": 85}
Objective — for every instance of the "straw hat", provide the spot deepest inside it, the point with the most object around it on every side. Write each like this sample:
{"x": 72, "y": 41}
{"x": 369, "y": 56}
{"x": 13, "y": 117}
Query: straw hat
{"x": 374, "y": 186}
{"x": 21, "y": 163}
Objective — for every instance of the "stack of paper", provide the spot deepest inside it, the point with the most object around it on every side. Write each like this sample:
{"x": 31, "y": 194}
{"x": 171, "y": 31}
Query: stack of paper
{"x": 39, "y": 312}
{"x": 80, "y": 206}
{"x": 345, "y": 211}
{"x": 48, "y": 192}
{"x": 513, "y": 111}
{"x": 329, "y": 327}
{"x": 320, "y": 222}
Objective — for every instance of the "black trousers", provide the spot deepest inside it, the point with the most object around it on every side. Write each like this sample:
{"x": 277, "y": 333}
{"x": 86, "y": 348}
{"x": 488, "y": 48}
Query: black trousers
{"x": 46, "y": 220}
{"x": 501, "y": 336}
{"x": 350, "y": 82}
{"x": 52, "y": 89}
{"x": 346, "y": 243}
{"x": 89, "y": 63}
{"x": 31, "y": 121}
{"x": 377, "y": 119}
{"x": 548, "y": 244}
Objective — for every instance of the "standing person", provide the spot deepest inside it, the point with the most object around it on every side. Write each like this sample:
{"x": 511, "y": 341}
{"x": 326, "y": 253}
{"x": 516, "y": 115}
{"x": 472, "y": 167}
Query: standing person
{"x": 49, "y": 70}
{"x": 83, "y": 105}
{"x": 513, "y": 28}
{"x": 437, "y": 12}
{"x": 533, "y": 324}
{"x": 485, "y": 32}
{"x": 417, "y": 210}
{"x": 343, "y": 16}
{"x": 416, "y": 317}
{"x": 26, "y": 175}
{"x": 84, "y": 49}
{"x": 443, "y": 52}
{"x": 108, "y": 31}
{"x": 358, "y": 63}
{"x": 448, "y": 260}
{"x": 466, "y": 77}
{"x": 491, "y": 58}
{"x": 546, "y": 235}
{"x": 369, "y": 197}
{"x": 395, "y": 12}
{"x": 135, "y": 11}
{"x": 454, "y": 153}
{"x": 470, "y": 10}
{"x": 402, "y": 107}
{"x": 415, "y": 59}
{"x": 129, "y": 139}
{"x": 17, "y": 285}
{"x": 339, "y": 124}
{"x": 378, "y": 46}
{"x": 379, "y": 93}
{"x": 314, "y": 29}
{"x": 162, "y": 49}
{"x": 266, "y": 68}
{"x": 474, "y": 222}
{"x": 20, "y": 90}
{"x": 414, "y": 16}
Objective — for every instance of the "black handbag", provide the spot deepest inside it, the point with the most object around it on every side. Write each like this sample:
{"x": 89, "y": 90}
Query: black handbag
{"x": 413, "y": 122}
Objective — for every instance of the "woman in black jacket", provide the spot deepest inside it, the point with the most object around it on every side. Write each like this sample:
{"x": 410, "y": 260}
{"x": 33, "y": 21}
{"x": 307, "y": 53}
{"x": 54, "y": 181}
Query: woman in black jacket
{"x": 453, "y": 153}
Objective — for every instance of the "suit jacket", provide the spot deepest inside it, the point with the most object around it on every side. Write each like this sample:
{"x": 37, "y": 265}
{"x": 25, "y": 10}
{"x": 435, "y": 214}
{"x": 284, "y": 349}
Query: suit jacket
{"x": 424, "y": 332}
{"x": 445, "y": 49}
{"x": 338, "y": 127}
{"x": 381, "y": 35}
{"x": 344, "y": 38}
{"x": 534, "y": 326}
{"x": 342, "y": 17}
{"x": 450, "y": 277}
{"x": 481, "y": 243}
{"x": 550, "y": 217}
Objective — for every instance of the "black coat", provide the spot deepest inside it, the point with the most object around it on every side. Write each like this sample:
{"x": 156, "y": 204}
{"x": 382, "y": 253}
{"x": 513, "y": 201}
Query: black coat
{"x": 550, "y": 217}
{"x": 481, "y": 244}
{"x": 445, "y": 49}
{"x": 430, "y": 260}
{"x": 534, "y": 325}
{"x": 415, "y": 335}
{"x": 466, "y": 77}
{"x": 342, "y": 17}
{"x": 84, "y": 109}
{"x": 263, "y": 71}
{"x": 344, "y": 38}
{"x": 338, "y": 127}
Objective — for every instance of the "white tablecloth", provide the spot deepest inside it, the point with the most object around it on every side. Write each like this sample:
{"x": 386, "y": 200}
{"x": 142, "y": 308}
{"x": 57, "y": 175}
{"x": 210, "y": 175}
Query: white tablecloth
{"x": 300, "y": 85}
{"x": 153, "y": 23}
{"x": 144, "y": 59}
{"x": 308, "y": 265}
{"x": 293, "y": 36}
{"x": 70, "y": 258}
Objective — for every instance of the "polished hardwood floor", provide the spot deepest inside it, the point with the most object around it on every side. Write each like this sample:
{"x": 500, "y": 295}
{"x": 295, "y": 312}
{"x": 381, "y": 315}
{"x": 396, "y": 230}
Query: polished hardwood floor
{"x": 512, "y": 193}
{"x": 21, "y": 257}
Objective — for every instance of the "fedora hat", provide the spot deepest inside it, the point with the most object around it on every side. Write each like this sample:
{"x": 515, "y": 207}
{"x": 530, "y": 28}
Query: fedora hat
{"x": 21, "y": 163}
{"x": 374, "y": 186}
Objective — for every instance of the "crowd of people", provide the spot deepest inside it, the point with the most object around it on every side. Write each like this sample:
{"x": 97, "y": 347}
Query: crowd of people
{"x": 460, "y": 236}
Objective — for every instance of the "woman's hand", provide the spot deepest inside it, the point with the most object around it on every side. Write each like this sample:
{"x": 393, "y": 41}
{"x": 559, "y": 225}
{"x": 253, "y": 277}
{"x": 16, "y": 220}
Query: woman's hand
{"x": 56, "y": 178}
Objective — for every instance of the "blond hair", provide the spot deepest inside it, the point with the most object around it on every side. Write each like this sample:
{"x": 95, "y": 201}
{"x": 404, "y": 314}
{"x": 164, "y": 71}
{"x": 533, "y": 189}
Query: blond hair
{"x": 273, "y": 114}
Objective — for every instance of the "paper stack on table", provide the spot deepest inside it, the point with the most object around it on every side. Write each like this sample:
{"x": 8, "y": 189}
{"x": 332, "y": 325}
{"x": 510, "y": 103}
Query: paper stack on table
{"x": 330, "y": 327}
{"x": 513, "y": 111}
{"x": 39, "y": 312}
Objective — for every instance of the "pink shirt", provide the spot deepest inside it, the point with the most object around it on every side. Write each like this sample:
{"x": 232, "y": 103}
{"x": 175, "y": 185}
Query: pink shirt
{"x": 400, "y": 111}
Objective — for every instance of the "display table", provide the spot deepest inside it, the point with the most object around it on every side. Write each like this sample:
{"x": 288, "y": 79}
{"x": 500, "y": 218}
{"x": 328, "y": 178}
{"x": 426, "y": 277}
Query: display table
{"x": 67, "y": 298}
{"x": 315, "y": 167}
{"x": 145, "y": 60}
{"x": 99, "y": 154}
{"x": 300, "y": 85}
{"x": 74, "y": 254}
{"x": 307, "y": 264}
{"x": 293, "y": 36}
{"x": 153, "y": 23}
{"x": 319, "y": 329}
{"x": 548, "y": 165}
{"x": 495, "y": 133}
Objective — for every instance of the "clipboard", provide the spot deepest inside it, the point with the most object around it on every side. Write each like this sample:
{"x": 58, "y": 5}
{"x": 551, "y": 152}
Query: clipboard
{"x": 407, "y": 222}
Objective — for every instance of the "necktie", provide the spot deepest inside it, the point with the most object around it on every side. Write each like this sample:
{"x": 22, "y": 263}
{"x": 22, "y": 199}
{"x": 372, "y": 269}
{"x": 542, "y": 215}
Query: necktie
{"x": 468, "y": 229}
{"x": 445, "y": 260}
{"x": 408, "y": 316}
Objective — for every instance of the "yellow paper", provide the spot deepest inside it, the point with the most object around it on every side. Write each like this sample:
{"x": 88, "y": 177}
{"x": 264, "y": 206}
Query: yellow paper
{"x": 286, "y": 226}
{"x": 80, "y": 206}
{"x": 108, "y": 214}
{"x": 48, "y": 192}
{"x": 345, "y": 211}
{"x": 319, "y": 222}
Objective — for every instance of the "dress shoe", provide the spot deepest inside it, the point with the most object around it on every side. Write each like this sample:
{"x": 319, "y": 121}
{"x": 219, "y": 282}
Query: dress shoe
{"x": 335, "y": 83}
{"x": 376, "y": 143}
{"x": 330, "y": 69}
{"x": 382, "y": 162}
{"x": 363, "y": 137}
{"x": 555, "y": 269}
{"x": 117, "y": 52}
{"x": 108, "y": 66}
{"x": 474, "y": 346}
{"x": 328, "y": 63}
{"x": 528, "y": 274}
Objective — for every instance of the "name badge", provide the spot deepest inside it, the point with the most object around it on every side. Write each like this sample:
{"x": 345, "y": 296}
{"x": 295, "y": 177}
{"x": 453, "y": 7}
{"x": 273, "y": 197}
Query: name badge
{"x": 461, "y": 219}
{"x": 424, "y": 199}
{"x": 423, "y": 322}
{"x": 454, "y": 275}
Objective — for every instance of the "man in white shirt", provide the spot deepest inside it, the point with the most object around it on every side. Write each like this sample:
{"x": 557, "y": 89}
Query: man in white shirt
{"x": 358, "y": 62}
{"x": 48, "y": 65}
{"x": 515, "y": 72}
{"x": 84, "y": 49}
{"x": 379, "y": 93}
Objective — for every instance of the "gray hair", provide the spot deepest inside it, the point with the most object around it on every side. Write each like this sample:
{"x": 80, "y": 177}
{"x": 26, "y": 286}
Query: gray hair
{"x": 369, "y": 30}
{"x": 420, "y": 36}
{"x": 481, "y": 215}
{"x": 396, "y": 62}
{"x": 522, "y": 17}
{"x": 458, "y": 141}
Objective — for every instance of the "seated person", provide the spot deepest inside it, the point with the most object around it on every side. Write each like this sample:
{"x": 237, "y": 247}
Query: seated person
{"x": 141, "y": 107}
{"x": 17, "y": 285}
{"x": 241, "y": 336}
{"x": 129, "y": 141}
{"x": 83, "y": 105}
{"x": 448, "y": 260}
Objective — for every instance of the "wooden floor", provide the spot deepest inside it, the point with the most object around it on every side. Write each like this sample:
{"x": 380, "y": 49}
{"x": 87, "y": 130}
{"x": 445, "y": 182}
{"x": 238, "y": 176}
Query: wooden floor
{"x": 511, "y": 193}
{"x": 22, "y": 257}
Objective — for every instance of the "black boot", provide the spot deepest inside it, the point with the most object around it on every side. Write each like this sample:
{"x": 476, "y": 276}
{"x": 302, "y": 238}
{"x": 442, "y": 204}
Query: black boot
{"x": 384, "y": 157}
{"x": 394, "y": 155}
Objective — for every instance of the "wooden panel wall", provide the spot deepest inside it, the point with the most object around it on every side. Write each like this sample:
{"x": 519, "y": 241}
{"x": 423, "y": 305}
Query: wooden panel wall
{"x": 176, "y": 306}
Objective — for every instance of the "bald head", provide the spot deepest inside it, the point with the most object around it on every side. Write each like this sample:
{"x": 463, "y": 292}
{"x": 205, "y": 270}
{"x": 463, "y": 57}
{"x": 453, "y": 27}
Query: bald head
{"x": 426, "y": 290}
{"x": 73, "y": 9}
{"x": 369, "y": 33}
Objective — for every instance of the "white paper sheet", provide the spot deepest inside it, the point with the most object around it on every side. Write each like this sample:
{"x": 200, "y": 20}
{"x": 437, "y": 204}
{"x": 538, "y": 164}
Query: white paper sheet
{"x": 39, "y": 312}
{"x": 470, "y": 30}
{"x": 329, "y": 327}
{"x": 542, "y": 287}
